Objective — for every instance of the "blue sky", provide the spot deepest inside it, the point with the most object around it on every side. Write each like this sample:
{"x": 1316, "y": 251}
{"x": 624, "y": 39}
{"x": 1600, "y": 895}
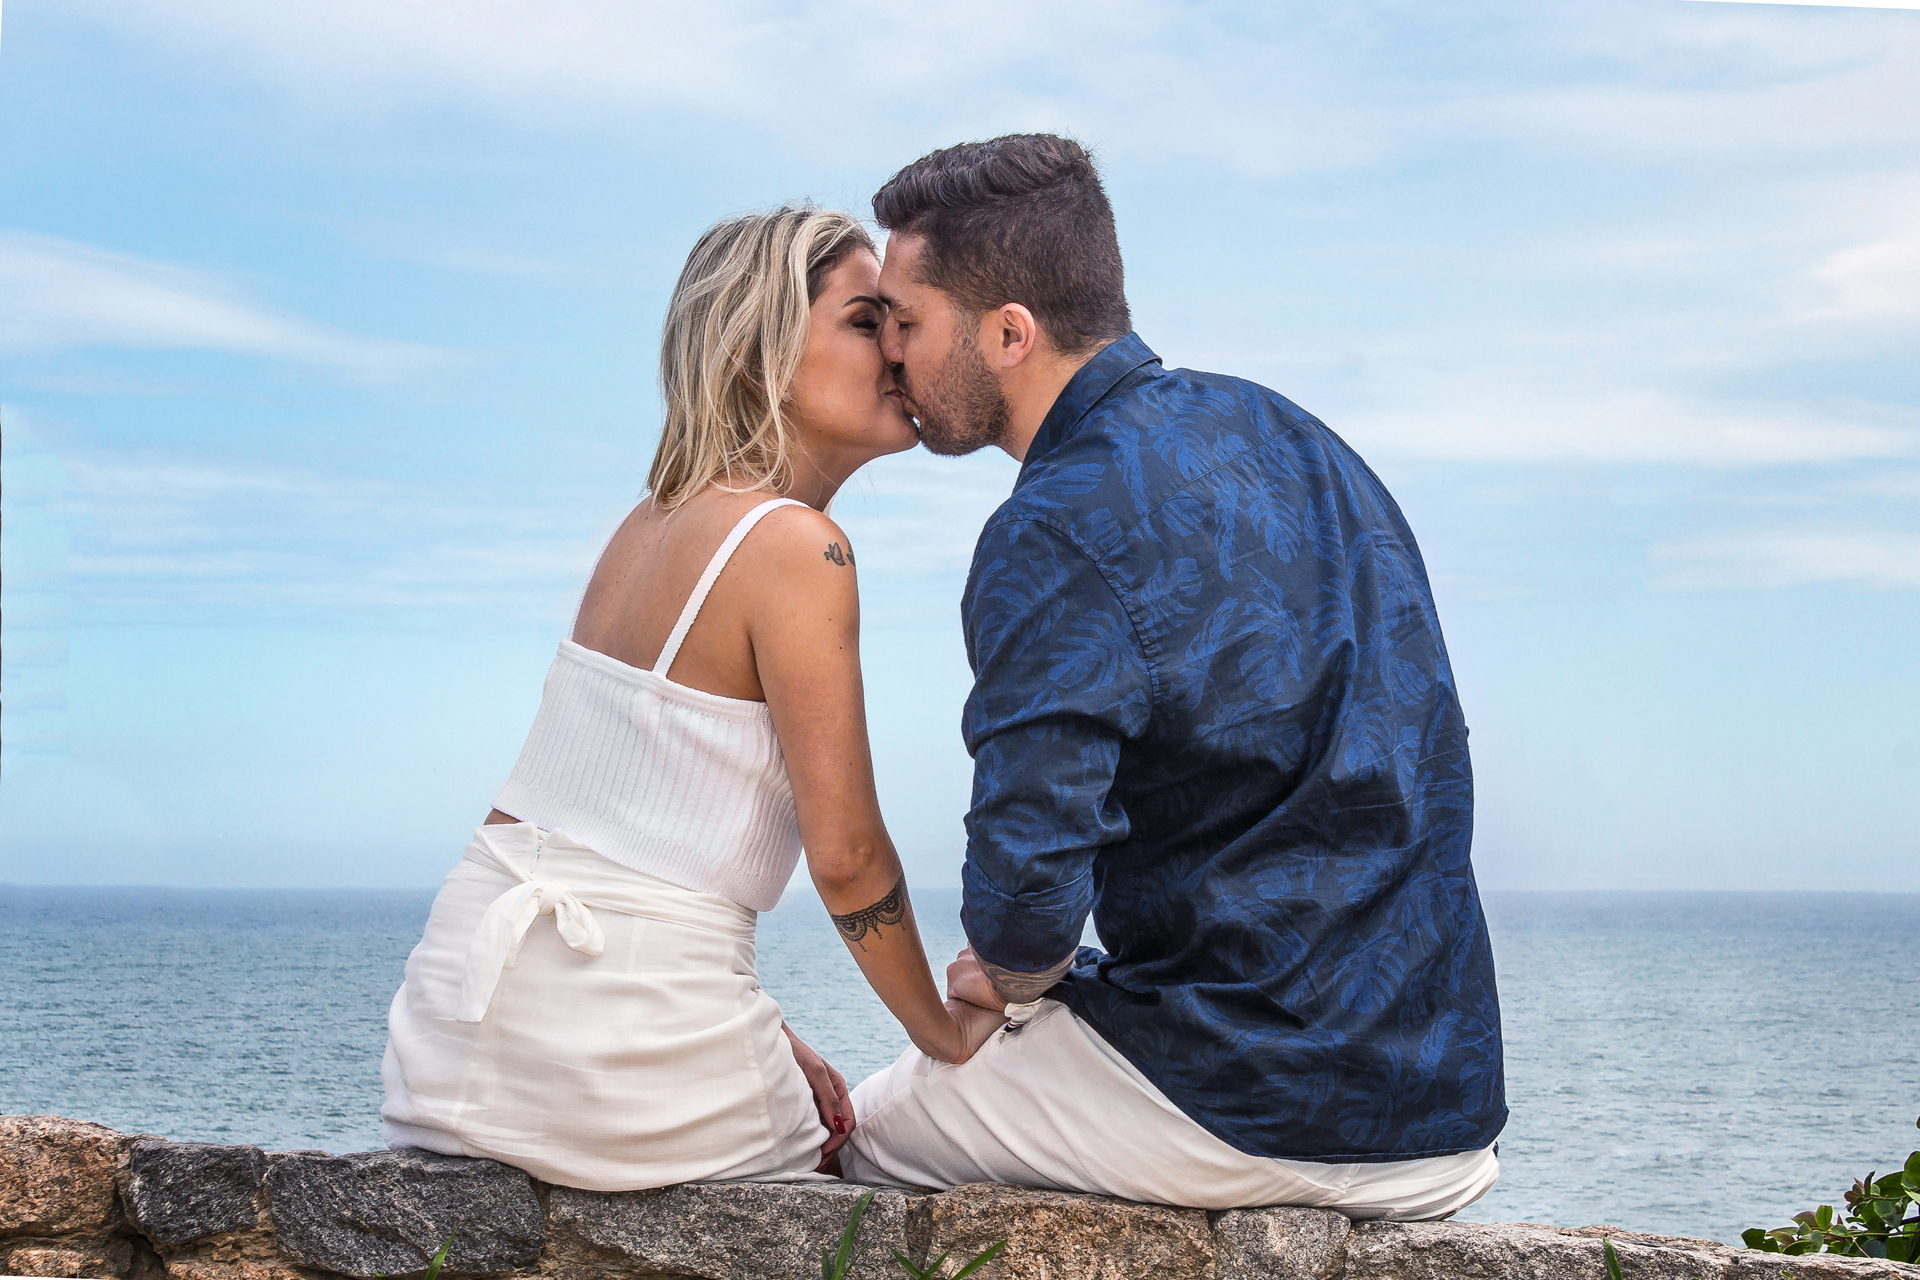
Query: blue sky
{"x": 327, "y": 337}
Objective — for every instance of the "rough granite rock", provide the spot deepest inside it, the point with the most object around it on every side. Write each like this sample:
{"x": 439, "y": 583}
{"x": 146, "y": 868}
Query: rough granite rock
{"x": 180, "y": 1192}
{"x": 1279, "y": 1244}
{"x": 1057, "y": 1235}
{"x": 1513, "y": 1251}
{"x": 1750, "y": 1264}
{"x": 42, "y": 1258}
{"x": 386, "y": 1212}
{"x": 722, "y": 1231}
{"x": 209, "y": 1269}
{"x": 57, "y": 1176}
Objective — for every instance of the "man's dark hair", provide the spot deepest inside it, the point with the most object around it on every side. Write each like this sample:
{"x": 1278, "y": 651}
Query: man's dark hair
{"x": 1017, "y": 219}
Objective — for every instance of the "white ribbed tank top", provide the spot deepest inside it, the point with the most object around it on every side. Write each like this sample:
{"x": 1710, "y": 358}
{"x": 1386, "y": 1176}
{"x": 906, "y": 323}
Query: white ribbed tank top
{"x": 672, "y": 781}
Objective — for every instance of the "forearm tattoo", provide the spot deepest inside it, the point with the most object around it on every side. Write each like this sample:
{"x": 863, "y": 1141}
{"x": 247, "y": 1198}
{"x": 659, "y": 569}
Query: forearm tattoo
{"x": 1025, "y": 988}
{"x": 839, "y": 557}
{"x": 890, "y": 911}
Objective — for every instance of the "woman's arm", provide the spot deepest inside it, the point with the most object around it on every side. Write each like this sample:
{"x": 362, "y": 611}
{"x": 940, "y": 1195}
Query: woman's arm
{"x": 804, "y": 625}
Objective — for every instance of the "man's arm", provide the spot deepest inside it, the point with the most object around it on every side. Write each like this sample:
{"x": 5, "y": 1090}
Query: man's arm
{"x": 1060, "y": 683}
{"x": 992, "y": 987}
{"x": 1024, "y": 988}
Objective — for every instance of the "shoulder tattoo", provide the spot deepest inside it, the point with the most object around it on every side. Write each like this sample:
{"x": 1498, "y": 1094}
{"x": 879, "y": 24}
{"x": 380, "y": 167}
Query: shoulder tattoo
{"x": 839, "y": 557}
{"x": 890, "y": 912}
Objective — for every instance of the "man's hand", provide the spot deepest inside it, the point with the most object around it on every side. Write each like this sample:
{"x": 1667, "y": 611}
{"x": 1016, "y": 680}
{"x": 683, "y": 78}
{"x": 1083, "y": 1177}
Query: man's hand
{"x": 967, "y": 981}
{"x": 829, "y": 1094}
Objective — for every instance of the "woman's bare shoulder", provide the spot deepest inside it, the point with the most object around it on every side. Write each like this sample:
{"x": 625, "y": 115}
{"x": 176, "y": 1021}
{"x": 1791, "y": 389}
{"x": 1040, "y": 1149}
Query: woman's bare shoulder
{"x": 798, "y": 537}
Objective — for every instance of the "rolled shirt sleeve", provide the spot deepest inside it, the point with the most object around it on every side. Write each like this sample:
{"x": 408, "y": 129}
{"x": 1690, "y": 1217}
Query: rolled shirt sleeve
{"x": 1060, "y": 683}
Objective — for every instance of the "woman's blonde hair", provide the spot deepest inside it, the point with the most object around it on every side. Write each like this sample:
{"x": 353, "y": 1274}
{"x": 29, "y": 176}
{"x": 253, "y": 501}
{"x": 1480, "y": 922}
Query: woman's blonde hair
{"x": 736, "y": 329}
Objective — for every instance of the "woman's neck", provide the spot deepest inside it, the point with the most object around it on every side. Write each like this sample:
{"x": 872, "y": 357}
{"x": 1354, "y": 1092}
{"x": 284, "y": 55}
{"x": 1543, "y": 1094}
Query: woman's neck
{"x": 816, "y": 485}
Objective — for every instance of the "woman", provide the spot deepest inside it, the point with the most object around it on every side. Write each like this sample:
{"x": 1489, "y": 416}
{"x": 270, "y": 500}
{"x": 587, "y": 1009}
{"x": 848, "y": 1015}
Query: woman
{"x": 704, "y": 723}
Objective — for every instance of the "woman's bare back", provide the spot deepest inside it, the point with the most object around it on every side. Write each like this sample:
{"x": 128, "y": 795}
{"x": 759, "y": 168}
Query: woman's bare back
{"x": 646, "y": 575}
{"x": 648, "y": 572}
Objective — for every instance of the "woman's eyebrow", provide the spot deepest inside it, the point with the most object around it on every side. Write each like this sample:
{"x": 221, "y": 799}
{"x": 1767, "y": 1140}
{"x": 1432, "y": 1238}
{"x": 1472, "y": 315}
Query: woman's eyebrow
{"x": 865, "y": 297}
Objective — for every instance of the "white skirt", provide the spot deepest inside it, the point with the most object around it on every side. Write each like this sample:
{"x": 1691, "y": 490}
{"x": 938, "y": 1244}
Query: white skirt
{"x": 592, "y": 1025}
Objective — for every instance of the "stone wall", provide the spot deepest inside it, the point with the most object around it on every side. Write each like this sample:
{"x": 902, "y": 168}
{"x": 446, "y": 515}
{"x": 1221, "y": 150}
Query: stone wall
{"x": 80, "y": 1200}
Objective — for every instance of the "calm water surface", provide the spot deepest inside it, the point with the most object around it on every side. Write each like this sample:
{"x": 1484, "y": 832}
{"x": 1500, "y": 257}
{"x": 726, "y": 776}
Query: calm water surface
{"x": 1684, "y": 1063}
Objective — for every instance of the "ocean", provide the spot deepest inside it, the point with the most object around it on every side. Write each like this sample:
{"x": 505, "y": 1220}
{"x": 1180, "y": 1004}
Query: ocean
{"x": 1686, "y": 1063}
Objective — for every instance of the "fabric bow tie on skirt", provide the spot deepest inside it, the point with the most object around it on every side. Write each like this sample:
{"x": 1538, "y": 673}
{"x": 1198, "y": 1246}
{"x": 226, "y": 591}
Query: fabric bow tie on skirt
{"x": 496, "y": 943}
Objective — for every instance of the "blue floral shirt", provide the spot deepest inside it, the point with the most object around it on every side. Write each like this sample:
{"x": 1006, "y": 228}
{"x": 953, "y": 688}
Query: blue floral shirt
{"x": 1212, "y": 707}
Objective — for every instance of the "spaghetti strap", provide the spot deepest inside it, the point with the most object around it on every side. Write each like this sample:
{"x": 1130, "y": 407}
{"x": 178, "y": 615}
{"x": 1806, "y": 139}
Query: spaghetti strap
{"x": 700, "y": 589}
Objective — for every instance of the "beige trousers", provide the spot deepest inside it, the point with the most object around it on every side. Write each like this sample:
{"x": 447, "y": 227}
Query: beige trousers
{"x": 1048, "y": 1103}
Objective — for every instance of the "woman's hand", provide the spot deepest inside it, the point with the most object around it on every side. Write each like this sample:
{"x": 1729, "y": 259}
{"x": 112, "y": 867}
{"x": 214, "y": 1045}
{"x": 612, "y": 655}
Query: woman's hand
{"x": 829, "y": 1094}
{"x": 972, "y": 1027}
{"x": 967, "y": 981}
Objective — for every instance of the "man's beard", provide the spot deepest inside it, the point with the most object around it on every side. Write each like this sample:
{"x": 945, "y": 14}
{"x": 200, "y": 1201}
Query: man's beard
{"x": 962, "y": 408}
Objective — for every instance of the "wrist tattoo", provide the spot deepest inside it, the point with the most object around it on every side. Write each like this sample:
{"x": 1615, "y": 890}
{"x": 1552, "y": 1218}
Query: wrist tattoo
{"x": 839, "y": 557}
{"x": 1024, "y": 988}
{"x": 889, "y": 911}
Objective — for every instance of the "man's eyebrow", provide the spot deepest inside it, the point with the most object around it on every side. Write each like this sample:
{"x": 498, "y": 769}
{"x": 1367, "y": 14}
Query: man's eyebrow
{"x": 892, "y": 304}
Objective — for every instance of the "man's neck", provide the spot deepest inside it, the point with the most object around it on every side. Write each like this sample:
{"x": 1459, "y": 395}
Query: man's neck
{"x": 1031, "y": 391}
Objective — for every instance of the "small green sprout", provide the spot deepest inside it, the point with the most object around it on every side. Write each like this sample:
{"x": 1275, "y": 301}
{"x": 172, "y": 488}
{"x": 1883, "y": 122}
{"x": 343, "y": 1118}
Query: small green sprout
{"x": 836, "y": 1263}
{"x": 933, "y": 1268}
{"x": 437, "y": 1261}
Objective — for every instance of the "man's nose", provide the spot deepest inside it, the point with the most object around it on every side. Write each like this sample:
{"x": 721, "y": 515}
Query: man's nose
{"x": 890, "y": 349}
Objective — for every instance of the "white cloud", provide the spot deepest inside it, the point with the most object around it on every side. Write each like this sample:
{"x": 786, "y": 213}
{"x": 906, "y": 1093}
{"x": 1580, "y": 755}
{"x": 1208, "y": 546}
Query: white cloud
{"x": 162, "y": 534}
{"x": 1892, "y": 483}
{"x": 1266, "y": 90}
{"x": 863, "y": 78}
{"x": 159, "y": 533}
{"x": 62, "y": 295}
{"x": 171, "y": 481}
{"x": 1837, "y": 4}
{"x": 915, "y": 516}
{"x": 1877, "y": 280}
{"x": 1789, "y": 560}
{"x": 1625, "y": 428}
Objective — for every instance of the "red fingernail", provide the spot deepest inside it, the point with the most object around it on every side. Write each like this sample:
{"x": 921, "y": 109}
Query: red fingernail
{"x": 839, "y": 1124}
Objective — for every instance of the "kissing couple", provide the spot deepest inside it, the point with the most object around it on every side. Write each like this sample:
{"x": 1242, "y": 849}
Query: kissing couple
{"x": 1211, "y": 707}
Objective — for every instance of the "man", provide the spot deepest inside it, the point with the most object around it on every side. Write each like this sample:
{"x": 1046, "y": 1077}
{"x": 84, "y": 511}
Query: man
{"x": 1211, "y": 706}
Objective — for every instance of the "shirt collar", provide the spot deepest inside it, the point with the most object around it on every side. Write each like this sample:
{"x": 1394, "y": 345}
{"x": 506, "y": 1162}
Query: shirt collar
{"x": 1091, "y": 384}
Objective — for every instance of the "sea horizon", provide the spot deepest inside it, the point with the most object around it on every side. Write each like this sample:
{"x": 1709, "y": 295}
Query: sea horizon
{"x": 1690, "y": 1062}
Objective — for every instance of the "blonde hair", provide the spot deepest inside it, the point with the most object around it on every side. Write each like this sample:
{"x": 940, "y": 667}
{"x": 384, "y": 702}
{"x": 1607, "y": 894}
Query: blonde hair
{"x": 735, "y": 332}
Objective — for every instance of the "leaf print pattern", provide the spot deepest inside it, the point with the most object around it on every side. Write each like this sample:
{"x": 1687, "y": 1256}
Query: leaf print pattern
{"x": 1212, "y": 709}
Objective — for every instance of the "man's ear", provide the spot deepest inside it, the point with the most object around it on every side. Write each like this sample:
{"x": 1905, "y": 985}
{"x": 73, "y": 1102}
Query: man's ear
{"x": 1010, "y": 336}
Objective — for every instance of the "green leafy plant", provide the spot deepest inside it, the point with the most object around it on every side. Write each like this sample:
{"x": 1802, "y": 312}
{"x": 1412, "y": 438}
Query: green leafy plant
{"x": 933, "y": 1268}
{"x": 437, "y": 1261}
{"x": 1613, "y": 1259}
{"x": 1882, "y": 1220}
{"x": 836, "y": 1263}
